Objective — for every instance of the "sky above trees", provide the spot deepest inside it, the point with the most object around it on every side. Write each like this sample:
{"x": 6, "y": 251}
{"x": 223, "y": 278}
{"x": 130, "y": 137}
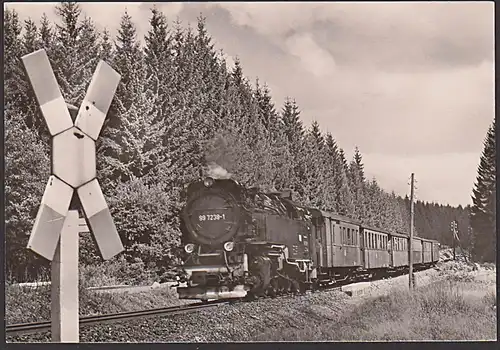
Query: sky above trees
{"x": 410, "y": 84}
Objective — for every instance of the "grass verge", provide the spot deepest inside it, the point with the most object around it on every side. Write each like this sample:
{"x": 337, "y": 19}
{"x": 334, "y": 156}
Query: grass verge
{"x": 23, "y": 305}
{"x": 443, "y": 311}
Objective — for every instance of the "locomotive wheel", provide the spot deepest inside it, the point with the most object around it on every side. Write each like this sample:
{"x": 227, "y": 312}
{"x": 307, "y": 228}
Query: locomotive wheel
{"x": 295, "y": 286}
{"x": 262, "y": 271}
{"x": 285, "y": 285}
{"x": 273, "y": 288}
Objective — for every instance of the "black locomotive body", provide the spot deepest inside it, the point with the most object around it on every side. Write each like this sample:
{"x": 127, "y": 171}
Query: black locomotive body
{"x": 240, "y": 241}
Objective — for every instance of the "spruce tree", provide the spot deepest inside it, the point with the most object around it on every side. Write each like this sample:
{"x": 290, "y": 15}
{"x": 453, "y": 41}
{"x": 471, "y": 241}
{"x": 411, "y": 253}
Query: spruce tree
{"x": 483, "y": 211}
{"x": 357, "y": 185}
{"x": 294, "y": 132}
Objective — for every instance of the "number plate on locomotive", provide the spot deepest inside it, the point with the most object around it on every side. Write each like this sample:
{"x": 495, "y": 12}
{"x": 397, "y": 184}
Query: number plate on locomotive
{"x": 211, "y": 217}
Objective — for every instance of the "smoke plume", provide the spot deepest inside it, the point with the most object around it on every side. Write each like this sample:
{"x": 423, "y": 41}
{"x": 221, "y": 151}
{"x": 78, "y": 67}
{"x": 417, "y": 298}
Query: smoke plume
{"x": 215, "y": 171}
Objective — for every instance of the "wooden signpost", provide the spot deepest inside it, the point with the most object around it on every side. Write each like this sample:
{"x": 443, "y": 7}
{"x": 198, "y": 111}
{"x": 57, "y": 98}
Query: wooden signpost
{"x": 55, "y": 232}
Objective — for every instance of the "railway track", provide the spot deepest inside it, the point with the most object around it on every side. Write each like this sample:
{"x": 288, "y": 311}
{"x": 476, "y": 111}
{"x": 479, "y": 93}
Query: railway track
{"x": 44, "y": 326}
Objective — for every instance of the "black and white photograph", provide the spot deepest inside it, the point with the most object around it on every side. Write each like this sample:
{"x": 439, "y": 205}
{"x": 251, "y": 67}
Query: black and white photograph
{"x": 248, "y": 172}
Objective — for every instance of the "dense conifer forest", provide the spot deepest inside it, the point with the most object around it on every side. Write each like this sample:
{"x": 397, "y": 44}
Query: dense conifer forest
{"x": 178, "y": 109}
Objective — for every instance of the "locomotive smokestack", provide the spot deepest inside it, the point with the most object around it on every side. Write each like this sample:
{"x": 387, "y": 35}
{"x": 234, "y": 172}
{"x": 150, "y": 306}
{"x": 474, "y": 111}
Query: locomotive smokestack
{"x": 215, "y": 171}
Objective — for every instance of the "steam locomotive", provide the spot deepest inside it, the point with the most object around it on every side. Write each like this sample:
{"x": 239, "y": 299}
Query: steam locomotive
{"x": 243, "y": 242}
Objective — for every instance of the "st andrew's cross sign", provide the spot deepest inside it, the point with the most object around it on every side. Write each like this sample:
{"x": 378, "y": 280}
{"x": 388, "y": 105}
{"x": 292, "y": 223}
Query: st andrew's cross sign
{"x": 73, "y": 157}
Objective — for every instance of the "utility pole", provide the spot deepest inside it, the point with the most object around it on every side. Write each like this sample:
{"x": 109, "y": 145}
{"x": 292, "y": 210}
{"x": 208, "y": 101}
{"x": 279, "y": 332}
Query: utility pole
{"x": 454, "y": 234}
{"x": 411, "y": 278}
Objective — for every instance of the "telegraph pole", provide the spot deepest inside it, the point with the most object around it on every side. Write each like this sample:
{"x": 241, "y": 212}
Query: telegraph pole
{"x": 454, "y": 236}
{"x": 411, "y": 278}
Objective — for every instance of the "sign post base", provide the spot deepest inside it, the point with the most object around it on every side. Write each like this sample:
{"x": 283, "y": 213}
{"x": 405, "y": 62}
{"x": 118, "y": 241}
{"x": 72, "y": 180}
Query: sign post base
{"x": 64, "y": 286}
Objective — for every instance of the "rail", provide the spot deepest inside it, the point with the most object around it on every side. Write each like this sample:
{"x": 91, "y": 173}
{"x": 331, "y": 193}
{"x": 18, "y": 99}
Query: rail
{"x": 43, "y": 326}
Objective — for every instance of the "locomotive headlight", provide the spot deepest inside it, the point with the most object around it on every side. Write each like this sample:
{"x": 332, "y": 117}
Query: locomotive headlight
{"x": 228, "y": 246}
{"x": 208, "y": 182}
{"x": 189, "y": 248}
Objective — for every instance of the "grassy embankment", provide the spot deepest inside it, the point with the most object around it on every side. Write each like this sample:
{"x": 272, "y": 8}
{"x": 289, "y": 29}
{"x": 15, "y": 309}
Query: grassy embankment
{"x": 456, "y": 308}
{"x": 24, "y": 305}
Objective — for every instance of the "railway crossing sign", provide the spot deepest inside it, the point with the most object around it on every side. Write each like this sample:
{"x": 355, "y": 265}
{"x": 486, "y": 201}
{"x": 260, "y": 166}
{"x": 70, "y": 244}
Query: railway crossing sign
{"x": 73, "y": 165}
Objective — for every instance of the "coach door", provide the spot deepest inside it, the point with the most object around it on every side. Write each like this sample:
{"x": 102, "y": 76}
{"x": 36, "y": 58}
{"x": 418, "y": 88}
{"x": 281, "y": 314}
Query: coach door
{"x": 318, "y": 241}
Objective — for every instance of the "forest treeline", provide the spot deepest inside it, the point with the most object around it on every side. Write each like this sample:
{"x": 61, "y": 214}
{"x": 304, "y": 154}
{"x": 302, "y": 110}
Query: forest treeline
{"x": 178, "y": 108}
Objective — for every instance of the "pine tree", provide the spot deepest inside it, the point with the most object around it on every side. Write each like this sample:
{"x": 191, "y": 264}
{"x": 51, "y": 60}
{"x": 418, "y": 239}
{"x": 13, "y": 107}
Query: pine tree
{"x": 273, "y": 157}
{"x": 294, "y": 132}
{"x": 19, "y": 96}
{"x": 30, "y": 37}
{"x": 136, "y": 143}
{"x": 159, "y": 66}
{"x": 46, "y": 34}
{"x": 313, "y": 169}
{"x": 357, "y": 185}
{"x": 483, "y": 211}
{"x": 13, "y": 98}
{"x": 64, "y": 59}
